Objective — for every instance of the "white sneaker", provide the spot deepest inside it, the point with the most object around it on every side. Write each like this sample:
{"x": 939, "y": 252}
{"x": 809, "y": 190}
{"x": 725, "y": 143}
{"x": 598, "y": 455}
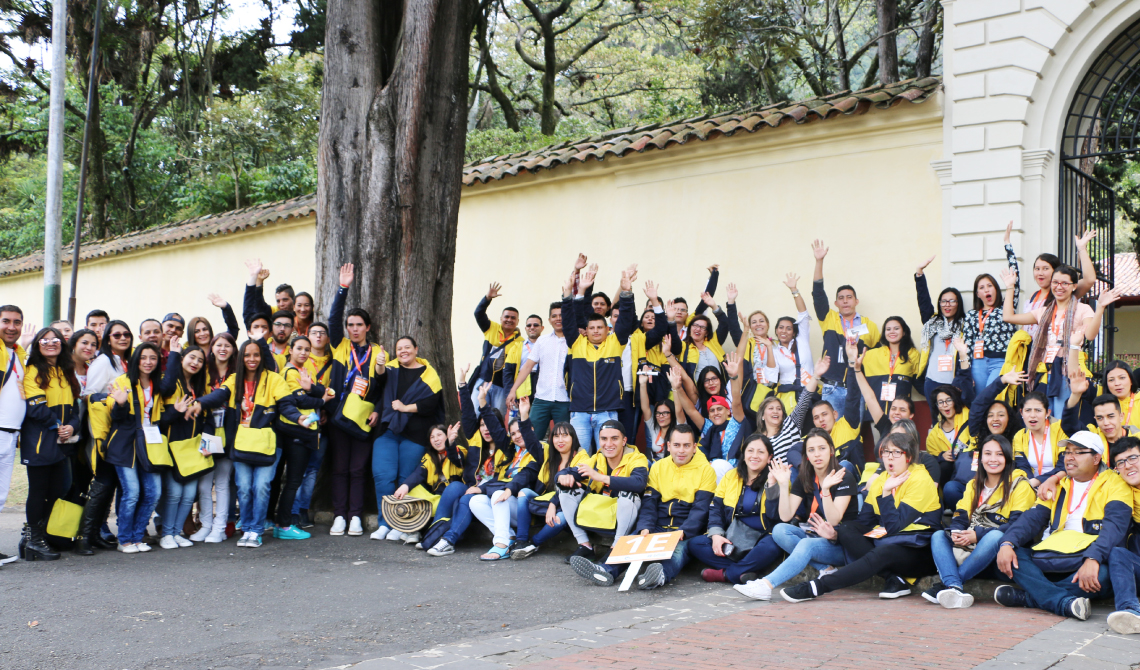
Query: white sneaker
{"x": 129, "y": 548}
{"x": 355, "y": 527}
{"x": 338, "y": 526}
{"x": 216, "y": 536}
{"x": 412, "y": 538}
{"x": 167, "y": 542}
{"x": 381, "y": 533}
{"x": 757, "y": 589}
{"x": 395, "y": 535}
{"x": 831, "y": 569}
{"x": 1124, "y": 622}
{"x": 244, "y": 541}
{"x": 201, "y": 535}
{"x": 143, "y": 547}
{"x": 441, "y": 548}
{"x": 183, "y": 542}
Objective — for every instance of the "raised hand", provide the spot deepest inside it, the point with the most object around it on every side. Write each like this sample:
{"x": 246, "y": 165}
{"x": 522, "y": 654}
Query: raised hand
{"x": 347, "y": 273}
{"x": 833, "y": 478}
{"x": 484, "y": 389}
{"x": 959, "y": 344}
{"x": 217, "y": 301}
{"x": 674, "y": 378}
{"x": 580, "y": 262}
{"x": 120, "y": 395}
{"x": 1009, "y": 278}
{"x": 1108, "y": 297}
{"x": 819, "y": 250}
{"x": 254, "y": 267}
{"x": 494, "y": 291}
{"x": 851, "y": 347}
{"x": 524, "y": 408}
{"x": 822, "y": 365}
{"x": 1008, "y": 232}
{"x": 588, "y": 278}
{"x": 781, "y": 472}
{"x": 1084, "y": 238}
{"x": 651, "y": 290}
{"x": 731, "y": 292}
{"x": 305, "y": 380}
{"x": 263, "y": 275}
{"x": 667, "y": 341}
{"x": 922, "y": 266}
{"x": 463, "y": 373}
{"x": 174, "y": 344}
{"x": 713, "y": 268}
{"x": 26, "y": 337}
{"x": 732, "y": 364}
{"x": 791, "y": 279}
{"x": 1078, "y": 382}
{"x": 453, "y": 432}
{"x": 670, "y": 314}
{"x": 628, "y": 276}
{"x": 1014, "y": 377}
{"x": 708, "y": 300}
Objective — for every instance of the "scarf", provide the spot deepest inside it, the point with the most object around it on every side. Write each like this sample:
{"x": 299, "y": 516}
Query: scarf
{"x": 1041, "y": 341}
{"x": 940, "y": 327}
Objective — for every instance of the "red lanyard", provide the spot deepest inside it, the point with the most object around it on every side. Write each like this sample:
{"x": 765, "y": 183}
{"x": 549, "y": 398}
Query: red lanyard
{"x": 247, "y": 401}
{"x": 1128, "y": 415}
{"x": 360, "y": 363}
{"x": 1033, "y": 300}
{"x": 1068, "y": 507}
{"x": 787, "y": 352}
{"x": 1040, "y": 453}
{"x": 894, "y": 359}
{"x": 982, "y": 316}
{"x": 843, "y": 322}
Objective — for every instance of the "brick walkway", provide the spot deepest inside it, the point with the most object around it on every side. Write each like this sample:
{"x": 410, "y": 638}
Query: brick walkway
{"x": 845, "y": 630}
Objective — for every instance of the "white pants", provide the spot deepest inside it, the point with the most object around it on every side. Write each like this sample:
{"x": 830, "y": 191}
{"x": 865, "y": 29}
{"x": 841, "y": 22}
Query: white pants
{"x": 721, "y": 467}
{"x": 7, "y": 460}
{"x": 499, "y": 517}
{"x": 217, "y": 480}
{"x": 627, "y": 508}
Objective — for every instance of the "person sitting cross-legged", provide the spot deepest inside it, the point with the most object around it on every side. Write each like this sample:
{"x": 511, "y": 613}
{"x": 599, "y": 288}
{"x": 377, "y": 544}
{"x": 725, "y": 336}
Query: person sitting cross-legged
{"x": 1124, "y": 562}
{"x": 1085, "y": 518}
{"x": 603, "y": 495}
{"x": 677, "y": 498}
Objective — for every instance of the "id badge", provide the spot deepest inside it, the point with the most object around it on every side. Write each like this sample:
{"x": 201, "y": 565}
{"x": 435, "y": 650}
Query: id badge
{"x": 945, "y": 363}
{"x": 212, "y": 444}
{"x": 858, "y": 331}
{"x": 887, "y": 394}
{"x": 974, "y": 463}
{"x": 876, "y": 532}
{"x": 979, "y": 349}
{"x": 839, "y": 354}
{"x": 360, "y": 386}
{"x": 152, "y": 434}
{"x": 1051, "y": 353}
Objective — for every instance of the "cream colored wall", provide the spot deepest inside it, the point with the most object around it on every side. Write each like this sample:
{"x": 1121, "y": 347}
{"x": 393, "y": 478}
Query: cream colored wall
{"x": 752, "y": 204}
{"x": 177, "y": 278}
{"x": 1127, "y": 339}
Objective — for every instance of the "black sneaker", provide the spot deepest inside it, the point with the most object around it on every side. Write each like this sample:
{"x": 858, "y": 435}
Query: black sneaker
{"x": 896, "y": 587}
{"x": 590, "y": 571}
{"x": 799, "y": 593}
{"x": 1010, "y": 596}
{"x": 1079, "y": 609}
{"x": 303, "y": 519}
{"x": 583, "y": 551}
{"x": 653, "y": 577}
{"x": 5, "y": 558}
{"x": 931, "y": 594}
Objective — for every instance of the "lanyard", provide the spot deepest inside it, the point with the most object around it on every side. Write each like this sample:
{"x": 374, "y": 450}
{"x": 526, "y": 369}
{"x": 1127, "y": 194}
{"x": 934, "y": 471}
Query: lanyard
{"x": 981, "y": 493}
{"x": 787, "y": 352}
{"x": 894, "y": 360}
{"x": 1068, "y": 507}
{"x": 815, "y": 498}
{"x": 843, "y": 322}
{"x": 1040, "y": 453}
{"x": 982, "y": 316}
{"x": 359, "y": 363}
{"x": 148, "y": 395}
{"x": 1128, "y": 414}
{"x": 247, "y": 400}
{"x": 1033, "y": 301}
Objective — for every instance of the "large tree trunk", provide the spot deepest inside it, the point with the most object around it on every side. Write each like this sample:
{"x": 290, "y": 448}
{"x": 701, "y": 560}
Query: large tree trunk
{"x": 888, "y": 15}
{"x": 389, "y": 167}
{"x": 925, "y": 54}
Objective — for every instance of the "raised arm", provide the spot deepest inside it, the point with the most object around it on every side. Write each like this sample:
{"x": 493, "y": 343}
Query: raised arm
{"x": 481, "y": 317}
{"x": 228, "y": 316}
{"x": 627, "y": 320}
{"x": 336, "y": 312}
{"x": 1011, "y": 263}
{"x": 733, "y": 367}
{"x": 1088, "y": 269}
{"x": 682, "y": 398}
{"x": 710, "y": 287}
{"x": 818, "y": 293}
{"x": 869, "y": 399}
{"x": 1009, "y": 310}
{"x": 925, "y": 308}
{"x": 1092, "y": 324}
{"x": 733, "y": 322}
{"x": 791, "y": 280}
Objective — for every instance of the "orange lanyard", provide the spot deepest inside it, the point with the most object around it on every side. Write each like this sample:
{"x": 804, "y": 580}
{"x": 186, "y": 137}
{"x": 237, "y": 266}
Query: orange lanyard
{"x": 359, "y": 363}
{"x": 980, "y": 493}
{"x": 815, "y": 498}
{"x": 894, "y": 359}
{"x": 843, "y": 322}
{"x": 1068, "y": 507}
{"x": 982, "y": 316}
{"x": 1040, "y": 453}
{"x": 1128, "y": 415}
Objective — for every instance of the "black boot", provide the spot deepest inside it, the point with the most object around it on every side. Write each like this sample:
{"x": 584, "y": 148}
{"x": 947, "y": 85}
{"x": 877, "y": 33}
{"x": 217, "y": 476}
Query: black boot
{"x": 37, "y": 548}
{"x": 23, "y": 541}
{"x": 89, "y": 538}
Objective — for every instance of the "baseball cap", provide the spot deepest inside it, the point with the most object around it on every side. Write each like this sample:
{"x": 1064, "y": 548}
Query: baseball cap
{"x": 615, "y": 424}
{"x": 1086, "y": 439}
{"x": 174, "y": 316}
{"x": 719, "y": 400}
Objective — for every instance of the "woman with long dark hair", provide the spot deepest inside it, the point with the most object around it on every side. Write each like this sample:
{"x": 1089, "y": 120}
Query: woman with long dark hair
{"x": 994, "y": 498}
{"x": 892, "y": 367}
{"x": 302, "y": 313}
{"x": 988, "y": 416}
{"x": 939, "y": 328}
{"x": 135, "y": 445}
{"x": 1037, "y": 449}
{"x": 253, "y": 397}
{"x": 1046, "y": 264}
{"x": 50, "y": 422}
{"x": 221, "y": 363}
{"x": 183, "y": 381}
{"x": 90, "y": 473}
{"x": 114, "y": 354}
{"x": 747, "y": 496}
{"x": 1119, "y": 381}
{"x": 439, "y": 477}
{"x": 659, "y": 420}
{"x": 987, "y": 332}
{"x": 537, "y": 493}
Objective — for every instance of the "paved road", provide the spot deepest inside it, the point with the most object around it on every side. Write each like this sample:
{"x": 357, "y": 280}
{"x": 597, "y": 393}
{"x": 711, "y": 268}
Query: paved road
{"x": 322, "y": 602}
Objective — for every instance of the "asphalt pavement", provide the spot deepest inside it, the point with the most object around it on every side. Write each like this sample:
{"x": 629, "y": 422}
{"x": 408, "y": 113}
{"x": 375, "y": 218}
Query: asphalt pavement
{"x": 321, "y": 602}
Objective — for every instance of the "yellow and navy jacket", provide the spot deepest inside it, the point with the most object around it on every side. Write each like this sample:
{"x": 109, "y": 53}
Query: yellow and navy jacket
{"x": 49, "y": 409}
{"x": 308, "y": 403}
{"x": 677, "y": 497}
{"x": 834, "y": 339}
{"x": 1012, "y": 507}
{"x": 877, "y": 370}
{"x": 595, "y": 377}
{"x": 533, "y": 475}
{"x": 351, "y": 415}
{"x": 911, "y": 515}
{"x": 1108, "y": 513}
{"x": 727, "y": 504}
{"x": 125, "y": 445}
{"x": 425, "y": 391}
{"x": 496, "y": 456}
{"x": 645, "y": 349}
{"x": 319, "y": 368}
{"x": 936, "y": 442}
{"x": 727, "y": 325}
{"x": 630, "y": 476}
{"x": 7, "y": 365}
{"x": 502, "y": 356}
{"x": 1021, "y": 449}
{"x": 1071, "y": 421}
{"x": 255, "y": 444}
{"x": 436, "y": 478}
{"x": 845, "y": 434}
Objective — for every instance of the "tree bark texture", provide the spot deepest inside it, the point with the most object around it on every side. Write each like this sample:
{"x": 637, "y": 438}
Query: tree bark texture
{"x": 888, "y": 56}
{"x": 389, "y": 166}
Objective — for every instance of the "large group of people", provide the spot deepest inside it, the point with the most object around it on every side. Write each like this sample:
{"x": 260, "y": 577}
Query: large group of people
{"x": 769, "y": 459}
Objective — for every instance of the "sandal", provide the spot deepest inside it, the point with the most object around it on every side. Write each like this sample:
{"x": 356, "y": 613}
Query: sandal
{"x": 496, "y": 553}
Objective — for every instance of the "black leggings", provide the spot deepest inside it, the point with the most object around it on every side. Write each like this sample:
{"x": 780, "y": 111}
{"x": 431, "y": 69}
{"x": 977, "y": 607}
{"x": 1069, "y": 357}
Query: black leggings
{"x": 294, "y": 461}
{"x": 46, "y": 484}
{"x": 871, "y": 560}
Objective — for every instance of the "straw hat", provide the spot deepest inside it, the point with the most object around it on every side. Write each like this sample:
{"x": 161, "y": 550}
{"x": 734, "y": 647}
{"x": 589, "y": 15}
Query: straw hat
{"x": 408, "y": 515}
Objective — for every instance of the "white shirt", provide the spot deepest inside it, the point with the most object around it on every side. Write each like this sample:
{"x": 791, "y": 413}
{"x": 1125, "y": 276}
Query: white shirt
{"x": 549, "y": 354}
{"x": 1075, "y": 520}
{"x": 1031, "y": 448}
{"x": 102, "y": 371}
{"x": 12, "y": 405}
{"x": 785, "y": 361}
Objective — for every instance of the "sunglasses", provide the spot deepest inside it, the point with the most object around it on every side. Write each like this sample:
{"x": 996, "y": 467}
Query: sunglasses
{"x": 49, "y": 342}
{"x": 120, "y": 336}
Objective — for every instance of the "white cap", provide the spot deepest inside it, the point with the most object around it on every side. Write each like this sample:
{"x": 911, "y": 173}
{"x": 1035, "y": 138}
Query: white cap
{"x": 1086, "y": 439}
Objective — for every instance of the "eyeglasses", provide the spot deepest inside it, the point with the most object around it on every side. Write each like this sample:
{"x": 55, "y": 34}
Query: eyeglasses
{"x": 947, "y": 302}
{"x": 1061, "y": 284}
{"x": 120, "y": 336}
{"x": 892, "y": 453}
{"x": 1130, "y": 460}
{"x": 49, "y": 342}
{"x": 317, "y": 333}
{"x": 282, "y": 324}
{"x": 665, "y": 413}
{"x": 1077, "y": 452}
{"x": 945, "y": 402}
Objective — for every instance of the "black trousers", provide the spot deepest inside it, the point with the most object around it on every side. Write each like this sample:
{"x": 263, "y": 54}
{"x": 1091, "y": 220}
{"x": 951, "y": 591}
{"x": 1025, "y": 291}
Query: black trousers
{"x": 870, "y": 560}
{"x": 290, "y": 474}
{"x": 46, "y": 484}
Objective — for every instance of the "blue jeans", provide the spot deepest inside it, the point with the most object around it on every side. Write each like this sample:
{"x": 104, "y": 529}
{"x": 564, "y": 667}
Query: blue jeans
{"x": 523, "y": 518}
{"x": 952, "y": 493}
{"x": 980, "y": 558}
{"x": 588, "y": 424}
{"x": 449, "y": 500}
{"x": 460, "y": 520}
{"x": 394, "y": 459}
{"x": 984, "y": 371}
{"x": 177, "y": 501}
{"x": 802, "y": 551}
{"x": 1045, "y": 593}
{"x": 253, "y": 493}
{"x": 1123, "y": 570}
{"x": 764, "y": 553}
{"x": 542, "y": 412}
{"x": 140, "y": 493}
{"x": 837, "y": 396}
{"x": 305, "y": 493}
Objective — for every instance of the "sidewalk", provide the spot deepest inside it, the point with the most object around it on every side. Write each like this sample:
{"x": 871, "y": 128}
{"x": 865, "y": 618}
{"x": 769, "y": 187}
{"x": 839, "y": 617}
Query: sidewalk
{"x": 849, "y": 630}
